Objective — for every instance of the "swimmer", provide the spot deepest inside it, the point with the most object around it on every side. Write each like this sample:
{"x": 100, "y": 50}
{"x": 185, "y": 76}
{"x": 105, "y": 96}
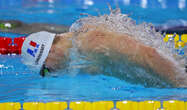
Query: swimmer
{"x": 115, "y": 45}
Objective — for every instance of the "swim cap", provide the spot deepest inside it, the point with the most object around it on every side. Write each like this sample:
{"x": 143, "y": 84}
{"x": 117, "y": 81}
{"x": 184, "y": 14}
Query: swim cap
{"x": 36, "y": 48}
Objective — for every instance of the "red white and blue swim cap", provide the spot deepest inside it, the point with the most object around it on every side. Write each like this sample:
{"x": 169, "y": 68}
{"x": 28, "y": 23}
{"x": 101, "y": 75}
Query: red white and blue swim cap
{"x": 36, "y": 48}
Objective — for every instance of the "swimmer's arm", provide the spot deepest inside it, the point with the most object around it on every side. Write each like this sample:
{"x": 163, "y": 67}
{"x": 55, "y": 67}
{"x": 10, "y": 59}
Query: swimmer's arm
{"x": 97, "y": 41}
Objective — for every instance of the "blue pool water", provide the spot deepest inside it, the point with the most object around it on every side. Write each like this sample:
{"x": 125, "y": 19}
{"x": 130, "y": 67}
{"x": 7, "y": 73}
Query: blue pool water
{"x": 18, "y": 83}
{"x": 67, "y": 11}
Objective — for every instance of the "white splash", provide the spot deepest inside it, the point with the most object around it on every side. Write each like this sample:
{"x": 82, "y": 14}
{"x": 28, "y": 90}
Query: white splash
{"x": 144, "y": 3}
{"x": 1, "y": 66}
{"x": 126, "y": 2}
{"x": 88, "y": 2}
{"x": 144, "y": 33}
{"x": 163, "y": 3}
{"x": 182, "y": 4}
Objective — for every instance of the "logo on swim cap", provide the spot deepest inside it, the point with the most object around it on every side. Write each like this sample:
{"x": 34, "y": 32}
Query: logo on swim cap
{"x": 35, "y": 47}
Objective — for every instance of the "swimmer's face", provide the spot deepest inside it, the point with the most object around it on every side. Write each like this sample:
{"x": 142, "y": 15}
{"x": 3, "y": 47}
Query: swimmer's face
{"x": 59, "y": 51}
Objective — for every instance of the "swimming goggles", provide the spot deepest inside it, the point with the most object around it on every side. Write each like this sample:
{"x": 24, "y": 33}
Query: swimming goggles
{"x": 44, "y": 71}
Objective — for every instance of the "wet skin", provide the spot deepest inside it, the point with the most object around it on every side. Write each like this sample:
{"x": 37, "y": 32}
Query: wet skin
{"x": 112, "y": 47}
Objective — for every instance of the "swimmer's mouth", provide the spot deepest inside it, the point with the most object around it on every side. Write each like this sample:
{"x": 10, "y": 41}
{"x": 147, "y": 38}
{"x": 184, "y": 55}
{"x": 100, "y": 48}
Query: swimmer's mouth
{"x": 45, "y": 70}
